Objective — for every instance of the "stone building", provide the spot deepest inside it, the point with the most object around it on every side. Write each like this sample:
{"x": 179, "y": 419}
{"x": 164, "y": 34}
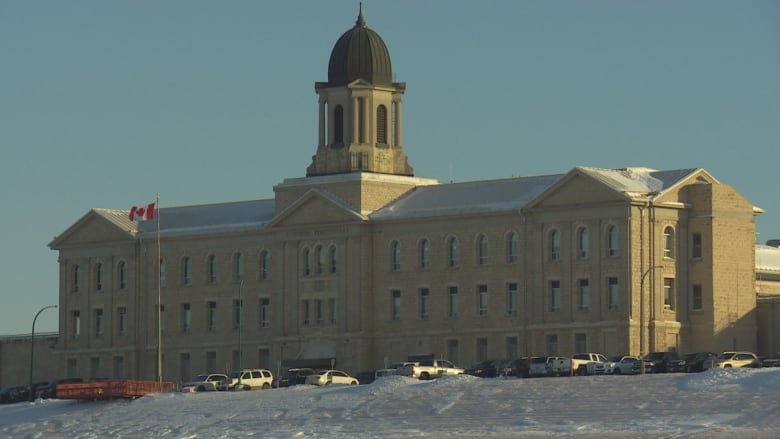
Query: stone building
{"x": 360, "y": 262}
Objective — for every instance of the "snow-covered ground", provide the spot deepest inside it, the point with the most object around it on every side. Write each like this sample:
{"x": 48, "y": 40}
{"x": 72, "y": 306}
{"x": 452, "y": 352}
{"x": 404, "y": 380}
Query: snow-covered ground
{"x": 723, "y": 403}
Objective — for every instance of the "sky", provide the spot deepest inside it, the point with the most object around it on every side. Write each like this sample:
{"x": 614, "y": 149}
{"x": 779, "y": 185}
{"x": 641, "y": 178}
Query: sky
{"x": 718, "y": 403}
{"x": 107, "y": 104}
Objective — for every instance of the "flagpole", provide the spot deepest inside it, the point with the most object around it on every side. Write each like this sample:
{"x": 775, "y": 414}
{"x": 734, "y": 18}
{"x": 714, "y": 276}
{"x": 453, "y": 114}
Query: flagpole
{"x": 159, "y": 296}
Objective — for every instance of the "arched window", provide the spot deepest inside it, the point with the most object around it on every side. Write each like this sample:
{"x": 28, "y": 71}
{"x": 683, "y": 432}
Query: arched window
{"x": 187, "y": 270}
{"x": 264, "y": 264}
{"x": 668, "y": 242}
{"x": 512, "y": 247}
{"x": 381, "y": 124}
{"x": 212, "y": 269}
{"x": 452, "y": 252}
{"x": 306, "y": 262}
{"x": 333, "y": 260}
{"x": 425, "y": 254}
{"x": 338, "y": 125}
{"x": 238, "y": 266}
{"x": 612, "y": 240}
{"x": 320, "y": 252}
{"x": 583, "y": 243}
{"x": 395, "y": 255}
{"x": 122, "y": 274}
{"x": 99, "y": 276}
{"x": 482, "y": 250}
{"x": 361, "y": 109}
{"x": 555, "y": 245}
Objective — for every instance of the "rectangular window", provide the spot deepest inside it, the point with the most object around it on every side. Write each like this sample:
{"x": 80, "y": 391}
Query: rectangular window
{"x": 305, "y": 310}
{"x": 76, "y": 322}
{"x": 184, "y": 366}
{"x": 696, "y": 245}
{"x": 211, "y": 361}
{"x": 511, "y": 348}
{"x": 696, "y": 300}
{"x": 319, "y": 312}
{"x": 424, "y": 303}
{"x": 668, "y": 293}
{"x": 94, "y": 367}
{"x": 482, "y": 299}
{"x": 580, "y": 343}
{"x": 119, "y": 368}
{"x": 395, "y": 297}
{"x": 453, "y": 351}
{"x": 73, "y": 369}
{"x": 121, "y": 319}
{"x": 186, "y": 318}
{"x": 265, "y": 313}
{"x": 333, "y": 311}
{"x": 264, "y": 358}
{"x": 482, "y": 349}
{"x": 612, "y": 293}
{"x": 555, "y": 295}
{"x": 511, "y": 298}
{"x": 551, "y": 342}
{"x": 98, "y": 322}
{"x": 452, "y": 302}
{"x": 211, "y": 316}
{"x": 584, "y": 290}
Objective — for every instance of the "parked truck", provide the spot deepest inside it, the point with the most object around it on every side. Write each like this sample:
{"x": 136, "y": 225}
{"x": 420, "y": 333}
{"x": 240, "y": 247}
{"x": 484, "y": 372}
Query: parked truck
{"x": 429, "y": 369}
{"x": 588, "y": 364}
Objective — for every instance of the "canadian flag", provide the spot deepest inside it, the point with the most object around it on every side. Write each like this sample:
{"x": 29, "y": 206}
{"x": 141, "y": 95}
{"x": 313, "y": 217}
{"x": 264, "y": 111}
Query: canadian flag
{"x": 142, "y": 213}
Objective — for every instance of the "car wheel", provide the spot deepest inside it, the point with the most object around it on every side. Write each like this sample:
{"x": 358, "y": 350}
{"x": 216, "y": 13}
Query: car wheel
{"x": 727, "y": 366}
{"x": 266, "y": 386}
{"x": 617, "y": 371}
{"x": 353, "y": 383}
{"x": 582, "y": 371}
{"x": 201, "y": 389}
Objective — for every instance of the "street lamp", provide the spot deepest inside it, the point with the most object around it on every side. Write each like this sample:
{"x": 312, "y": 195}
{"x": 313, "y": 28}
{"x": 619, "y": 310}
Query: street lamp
{"x": 32, "y": 348}
{"x": 642, "y": 317}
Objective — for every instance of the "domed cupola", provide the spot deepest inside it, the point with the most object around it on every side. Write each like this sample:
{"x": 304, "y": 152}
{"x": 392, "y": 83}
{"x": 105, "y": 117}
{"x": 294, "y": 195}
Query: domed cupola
{"x": 360, "y": 53}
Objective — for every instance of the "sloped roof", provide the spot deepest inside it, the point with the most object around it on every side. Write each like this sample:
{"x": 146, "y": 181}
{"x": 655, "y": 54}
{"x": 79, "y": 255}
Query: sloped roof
{"x": 767, "y": 259}
{"x": 637, "y": 181}
{"x": 469, "y": 197}
{"x": 209, "y": 218}
{"x": 121, "y": 218}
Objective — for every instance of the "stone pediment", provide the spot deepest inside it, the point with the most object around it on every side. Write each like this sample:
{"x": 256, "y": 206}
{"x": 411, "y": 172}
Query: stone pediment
{"x": 578, "y": 188}
{"x": 316, "y": 207}
{"x": 97, "y": 226}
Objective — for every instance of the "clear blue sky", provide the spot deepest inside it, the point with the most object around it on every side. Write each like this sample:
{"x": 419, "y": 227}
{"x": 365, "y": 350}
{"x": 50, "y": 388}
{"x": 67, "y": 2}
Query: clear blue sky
{"x": 105, "y": 104}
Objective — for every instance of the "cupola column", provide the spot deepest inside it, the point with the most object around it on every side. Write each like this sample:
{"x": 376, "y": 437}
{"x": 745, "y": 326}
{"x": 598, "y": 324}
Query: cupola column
{"x": 398, "y": 124}
{"x": 355, "y": 120}
{"x": 323, "y": 105}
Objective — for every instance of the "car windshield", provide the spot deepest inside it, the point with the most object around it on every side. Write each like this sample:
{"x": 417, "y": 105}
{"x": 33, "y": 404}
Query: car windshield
{"x": 200, "y": 378}
{"x": 725, "y": 355}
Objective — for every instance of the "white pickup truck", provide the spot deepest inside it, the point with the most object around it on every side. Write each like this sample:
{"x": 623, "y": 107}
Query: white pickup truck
{"x": 588, "y": 364}
{"x": 549, "y": 366}
{"x": 429, "y": 369}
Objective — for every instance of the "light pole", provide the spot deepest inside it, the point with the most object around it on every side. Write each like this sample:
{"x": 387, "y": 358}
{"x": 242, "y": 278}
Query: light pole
{"x": 240, "y": 322}
{"x": 32, "y": 348}
{"x": 642, "y": 317}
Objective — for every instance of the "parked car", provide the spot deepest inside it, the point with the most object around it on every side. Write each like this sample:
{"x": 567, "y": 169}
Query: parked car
{"x": 14, "y": 394}
{"x": 517, "y": 368}
{"x": 205, "y": 382}
{"x": 249, "y": 379}
{"x": 661, "y": 360}
{"x": 773, "y": 361}
{"x": 736, "y": 359}
{"x": 628, "y": 365}
{"x": 49, "y": 389}
{"x": 293, "y": 377}
{"x": 697, "y": 361}
{"x": 327, "y": 377}
{"x": 484, "y": 369}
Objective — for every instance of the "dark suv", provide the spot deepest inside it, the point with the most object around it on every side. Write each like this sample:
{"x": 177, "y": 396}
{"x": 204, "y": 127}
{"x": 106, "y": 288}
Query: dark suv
{"x": 662, "y": 360}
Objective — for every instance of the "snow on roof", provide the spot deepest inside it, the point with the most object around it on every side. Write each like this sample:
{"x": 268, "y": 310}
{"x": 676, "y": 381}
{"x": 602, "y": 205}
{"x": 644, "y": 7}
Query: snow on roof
{"x": 767, "y": 258}
{"x": 468, "y": 197}
{"x": 636, "y": 180}
{"x": 209, "y": 218}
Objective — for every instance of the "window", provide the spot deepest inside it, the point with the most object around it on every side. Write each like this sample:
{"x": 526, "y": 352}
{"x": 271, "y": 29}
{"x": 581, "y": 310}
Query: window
{"x": 425, "y": 254}
{"x": 98, "y": 322}
{"x": 94, "y": 367}
{"x": 668, "y": 293}
{"x": 668, "y": 242}
{"x": 319, "y": 312}
{"x": 395, "y": 297}
{"x": 212, "y": 269}
{"x": 72, "y": 367}
{"x": 612, "y": 293}
{"x": 453, "y": 351}
{"x": 555, "y": 295}
{"x": 452, "y": 302}
{"x": 122, "y": 272}
{"x": 99, "y": 277}
{"x": 424, "y": 303}
{"x": 555, "y": 245}
{"x": 211, "y": 316}
{"x": 333, "y": 311}
{"x": 184, "y": 366}
{"x": 511, "y": 347}
{"x": 320, "y": 253}
{"x": 584, "y": 290}
{"x": 612, "y": 241}
{"x": 264, "y": 265}
{"x": 395, "y": 255}
{"x": 361, "y": 109}
{"x": 482, "y": 299}
{"x": 338, "y": 125}
{"x": 306, "y": 263}
{"x": 75, "y": 280}
{"x": 512, "y": 244}
{"x": 265, "y": 313}
{"x": 696, "y": 299}
{"x": 162, "y": 272}
{"x": 452, "y": 252}
{"x": 162, "y": 318}
{"x": 482, "y": 349}
{"x": 333, "y": 260}
{"x": 187, "y": 271}
{"x": 696, "y": 245}
{"x": 305, "y": 310}
{"x": 119, "y": 368}
{"x": 583, "y": 243}
{"x": 551, "y": 342}
{"x": 186, "y": 318}
{"x": 264, "y": 357}
{"x": 511, "y": 298}
{"x": 381, "y": 124}
{"x": 482, "y": 250}
{"x": 238, "y": 313}
{"x": 75, "y": 323}
{"x": 238, "y": 266}
{"x": 580, "y": 343}
{"x": 121, "y": 320}
{"x": 211, "y": 361}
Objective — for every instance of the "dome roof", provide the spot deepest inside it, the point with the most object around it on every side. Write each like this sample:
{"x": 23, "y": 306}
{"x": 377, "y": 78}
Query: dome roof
{"x": 360, "y": 53}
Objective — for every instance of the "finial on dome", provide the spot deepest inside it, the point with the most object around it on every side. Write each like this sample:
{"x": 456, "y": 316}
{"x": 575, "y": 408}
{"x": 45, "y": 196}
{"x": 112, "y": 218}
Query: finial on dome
{"x": 360, "y": 20}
